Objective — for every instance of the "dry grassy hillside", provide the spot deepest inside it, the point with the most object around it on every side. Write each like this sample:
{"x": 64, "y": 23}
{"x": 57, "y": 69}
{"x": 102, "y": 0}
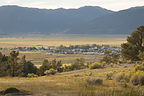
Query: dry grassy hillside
{"x": 73, "y": 84}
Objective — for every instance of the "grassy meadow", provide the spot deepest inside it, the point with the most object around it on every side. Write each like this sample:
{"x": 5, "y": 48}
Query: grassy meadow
{"x": 38, "y": 57}
{"x": 74, "y": 84}
{"x": 56, "y": 40}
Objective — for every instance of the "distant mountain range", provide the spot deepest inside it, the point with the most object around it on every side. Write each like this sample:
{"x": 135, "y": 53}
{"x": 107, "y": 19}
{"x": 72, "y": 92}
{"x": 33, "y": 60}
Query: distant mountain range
{"x": 121, "y": 22}
{"x": 84, "y": 20}
{"x": 15, "y": 19}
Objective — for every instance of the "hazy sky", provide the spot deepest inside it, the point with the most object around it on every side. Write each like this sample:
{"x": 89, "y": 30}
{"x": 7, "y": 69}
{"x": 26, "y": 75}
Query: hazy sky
{"x": 53, "y": 4}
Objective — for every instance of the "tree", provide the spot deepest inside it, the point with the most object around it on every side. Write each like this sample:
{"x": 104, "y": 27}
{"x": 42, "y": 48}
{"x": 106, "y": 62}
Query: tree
{"x": 3, "y": 65}
{"x": 141, "y": 55}
{"x": 29, "y": 67}
{"x": 78, "y": 64}
{"x": 13, "y": 61}
{"x": 134, "y": 44}
{"x": 110, "y": 57}
{"x": 57, "y": 65}
{"x": 45, "y": 66}
{"x": 115, "y": 58}
{"x": 14, "y": 66}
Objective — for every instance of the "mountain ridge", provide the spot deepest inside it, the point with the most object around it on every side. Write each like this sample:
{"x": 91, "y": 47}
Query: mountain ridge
{"x": 15, "y": 19}
{"x": 84, "y": 20}
{"x": 121, "y": 22}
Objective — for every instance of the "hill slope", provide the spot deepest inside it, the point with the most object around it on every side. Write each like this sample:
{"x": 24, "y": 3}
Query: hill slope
{"x": 15, "y": 19}
{"x": 122, "y": 22}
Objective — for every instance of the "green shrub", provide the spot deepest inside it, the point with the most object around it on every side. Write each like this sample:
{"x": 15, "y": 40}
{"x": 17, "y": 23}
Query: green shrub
{"x": 50, "y": 72}
{"x": 138, "y": 78}
{"x": 31, "y": 75}
{"x": 54, "y": 64}
{"x": 123, "y": 83}
{"x": 88, "y": 73}
{"x": 139, "y": 67}
{"x": 94, "y": 81}
{"x": 95, "y": 65}
{"x": 122, "y": 77}
{"x": 109, "y": 76}
{"x": 67, "y": 68}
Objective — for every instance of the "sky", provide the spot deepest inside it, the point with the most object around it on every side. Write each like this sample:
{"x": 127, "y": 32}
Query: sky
{"x": 114, "y": 5}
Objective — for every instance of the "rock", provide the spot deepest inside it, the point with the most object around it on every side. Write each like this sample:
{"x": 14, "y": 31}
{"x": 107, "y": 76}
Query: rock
{"x": 14, "y": 92}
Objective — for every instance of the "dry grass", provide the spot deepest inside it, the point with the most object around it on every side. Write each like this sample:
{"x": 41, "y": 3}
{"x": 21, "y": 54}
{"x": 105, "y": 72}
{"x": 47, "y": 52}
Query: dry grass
{"x": 56, "y": 40}
{"x": 38, "y": 57}
{"x": 72, "y": 84}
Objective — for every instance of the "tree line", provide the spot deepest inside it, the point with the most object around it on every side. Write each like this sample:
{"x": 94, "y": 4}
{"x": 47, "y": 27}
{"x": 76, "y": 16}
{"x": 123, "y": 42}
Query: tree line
{"x": 14, "y": 66}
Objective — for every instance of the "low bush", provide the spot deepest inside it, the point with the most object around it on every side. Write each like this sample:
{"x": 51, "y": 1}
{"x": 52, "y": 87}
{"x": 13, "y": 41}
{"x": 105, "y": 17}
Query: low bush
{"x": 31, "y": 75}
{"x": 67, "y": 68}
{"x": 95, "y": 65}
{"x": 94, "y": 81}
{"x": 139, "y": 67}
{"x": 138, "y": 78}
{"x": 122, "y": 77}
{"x": 109, "y": 76}
{"x": 50, "y": 72}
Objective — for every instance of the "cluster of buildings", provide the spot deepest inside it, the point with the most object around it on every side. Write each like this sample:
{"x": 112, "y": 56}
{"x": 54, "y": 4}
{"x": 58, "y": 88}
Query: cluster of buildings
{"x": 89, "y": 50}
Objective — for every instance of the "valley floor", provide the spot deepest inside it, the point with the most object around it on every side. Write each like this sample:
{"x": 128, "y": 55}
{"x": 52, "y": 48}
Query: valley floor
{"x": 59, "y": 39}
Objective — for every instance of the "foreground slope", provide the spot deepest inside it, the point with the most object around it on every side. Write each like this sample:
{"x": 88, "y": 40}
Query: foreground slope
{"x": 72, "y": 84}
